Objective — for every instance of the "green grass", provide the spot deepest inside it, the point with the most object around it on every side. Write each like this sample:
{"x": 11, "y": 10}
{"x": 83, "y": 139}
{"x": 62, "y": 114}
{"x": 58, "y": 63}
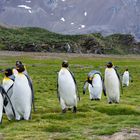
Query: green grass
{"x": 93, "y": 118}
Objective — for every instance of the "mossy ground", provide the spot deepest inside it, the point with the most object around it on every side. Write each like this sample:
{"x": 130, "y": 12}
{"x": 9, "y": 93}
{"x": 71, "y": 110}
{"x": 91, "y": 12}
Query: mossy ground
{"x": 92, "y": 118}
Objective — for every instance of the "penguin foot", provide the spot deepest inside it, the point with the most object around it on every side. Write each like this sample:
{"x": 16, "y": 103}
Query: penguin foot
{"x": 110, "y": 102}
{"x": 22, "y": 118}
{"x": 69, "y": 109}
{"x": 97, "y": 99}
{"x": 64, "y": 110}
{"x": 91, "y": 99}
{"x": 116, "y": 102}
{"x": 74, "y": 109}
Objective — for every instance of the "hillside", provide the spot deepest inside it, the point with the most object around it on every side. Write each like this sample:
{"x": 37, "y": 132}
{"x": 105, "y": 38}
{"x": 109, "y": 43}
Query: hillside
{"x": 40, "y": 40}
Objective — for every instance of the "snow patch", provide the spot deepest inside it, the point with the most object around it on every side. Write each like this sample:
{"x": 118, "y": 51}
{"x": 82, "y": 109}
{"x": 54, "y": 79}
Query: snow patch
{"x": 25, "y": 6}
{"x": 83, "y": 26}
{"x": 30, "y": 11}
{"x": 63, "y": 0}
{"x": 28, "y": 1}
{"x": 85, "y": 13}
{"x": 62, "y": 19}
{"x": 72, "y": 23}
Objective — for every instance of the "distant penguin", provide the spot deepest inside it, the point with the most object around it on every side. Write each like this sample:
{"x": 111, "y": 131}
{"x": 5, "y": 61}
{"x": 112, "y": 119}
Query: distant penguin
{"x": 67, "y": 90}
{"x": 15, "y": 72}
{"x": 22, "y": 95}
{"x": 7, "y": 84}
{"x": 112, "y": 84}
{"x": 95, "y": 85}
{"x": 126, "y": 78}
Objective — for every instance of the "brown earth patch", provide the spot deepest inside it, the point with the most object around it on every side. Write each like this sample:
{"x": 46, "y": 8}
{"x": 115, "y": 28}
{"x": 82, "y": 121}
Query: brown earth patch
{"x": 132, "y": 134}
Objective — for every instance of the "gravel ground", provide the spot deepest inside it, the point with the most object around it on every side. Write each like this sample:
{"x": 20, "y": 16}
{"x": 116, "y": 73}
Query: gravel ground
{"x": 41, "y": 55}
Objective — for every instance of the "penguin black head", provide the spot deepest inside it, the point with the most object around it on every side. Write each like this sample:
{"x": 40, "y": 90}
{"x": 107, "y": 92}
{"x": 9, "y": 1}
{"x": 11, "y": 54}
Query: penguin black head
{"x": 18, "y": 63}
{"x": 126, "y": 69}
{"x": 20, "y": 68}
{"x": 89, "y": 80}
{"x": 109, "y": 65}
{"x": 8, "y": 72}
{"x": 65, "y": 64}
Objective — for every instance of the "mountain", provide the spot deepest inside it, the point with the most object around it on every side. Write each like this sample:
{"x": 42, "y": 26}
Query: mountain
{"x": 74, "y": 16}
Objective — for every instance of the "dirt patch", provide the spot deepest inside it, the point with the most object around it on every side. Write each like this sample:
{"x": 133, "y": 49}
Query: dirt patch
{"x": 132, "y": 134}
{"x": 1, "y": 137}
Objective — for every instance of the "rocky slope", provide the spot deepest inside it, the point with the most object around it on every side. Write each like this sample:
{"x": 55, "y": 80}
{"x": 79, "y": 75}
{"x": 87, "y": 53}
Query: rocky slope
{"x": 74, "y": 16}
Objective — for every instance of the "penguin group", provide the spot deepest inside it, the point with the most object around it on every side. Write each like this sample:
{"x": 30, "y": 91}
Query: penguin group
{"x": 17, "y": 95}
{"x": 110, "y": 85}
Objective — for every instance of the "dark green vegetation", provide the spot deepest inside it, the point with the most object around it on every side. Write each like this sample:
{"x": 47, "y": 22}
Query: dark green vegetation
{"x": 41, "y": 40}
{"x": 92, "y": 118}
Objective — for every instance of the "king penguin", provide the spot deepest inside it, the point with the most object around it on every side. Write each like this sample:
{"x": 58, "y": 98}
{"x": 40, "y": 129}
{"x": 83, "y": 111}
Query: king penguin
{"x": 7, "y": 84}
{"x": 22, "y": 95}
{"x": 125, "y": 78}
{"x": 95, "y": 85}
{"x": 67, "y": 89}
{"x": 112, "y": 84}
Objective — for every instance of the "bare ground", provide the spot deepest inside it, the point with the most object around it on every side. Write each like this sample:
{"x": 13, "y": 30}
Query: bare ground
{"x": 42, "y": 55}
{"x": 133, "y": 134}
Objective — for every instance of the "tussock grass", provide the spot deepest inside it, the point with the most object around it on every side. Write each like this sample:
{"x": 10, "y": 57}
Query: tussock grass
{"x": 93, "y": 117}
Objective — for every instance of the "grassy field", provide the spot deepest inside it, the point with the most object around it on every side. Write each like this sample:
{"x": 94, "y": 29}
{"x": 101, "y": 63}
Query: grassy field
{"x": 94, "y": 118}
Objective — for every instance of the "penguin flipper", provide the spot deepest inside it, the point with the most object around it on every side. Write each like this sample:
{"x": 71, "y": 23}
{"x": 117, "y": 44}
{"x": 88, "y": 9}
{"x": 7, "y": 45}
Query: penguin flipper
{"x": 58, "y": 95}
{"x": 104, "y": 89}
{"x": 7, "y": 99}
{"x": 131, "y": 78}
{"x": 85, "y": 87}
{"x": 78, "y": 95}
{"x": 32, "y": 90}
{"x": 121, "y": 86}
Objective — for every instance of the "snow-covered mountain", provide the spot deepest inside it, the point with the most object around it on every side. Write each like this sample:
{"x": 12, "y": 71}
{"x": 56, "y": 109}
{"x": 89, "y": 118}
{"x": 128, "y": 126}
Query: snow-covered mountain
{"x": 74, "y": 16}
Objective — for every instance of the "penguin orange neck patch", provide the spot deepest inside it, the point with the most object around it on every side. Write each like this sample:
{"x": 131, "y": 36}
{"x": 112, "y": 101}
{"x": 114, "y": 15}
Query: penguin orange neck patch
{"x": 6, "y": 79}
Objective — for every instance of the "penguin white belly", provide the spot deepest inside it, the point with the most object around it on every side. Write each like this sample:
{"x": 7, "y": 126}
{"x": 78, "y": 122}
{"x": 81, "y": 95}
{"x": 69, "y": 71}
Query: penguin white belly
{"x": 1, "y": 107}
{"x": 22, "y": 97}
{"x": 96, "y": 89}
{"x": 112, "y": 85}
{"x": 67, "y": 88}
{"x": 125, "y": 80}
{"x": 7, "y": 83}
